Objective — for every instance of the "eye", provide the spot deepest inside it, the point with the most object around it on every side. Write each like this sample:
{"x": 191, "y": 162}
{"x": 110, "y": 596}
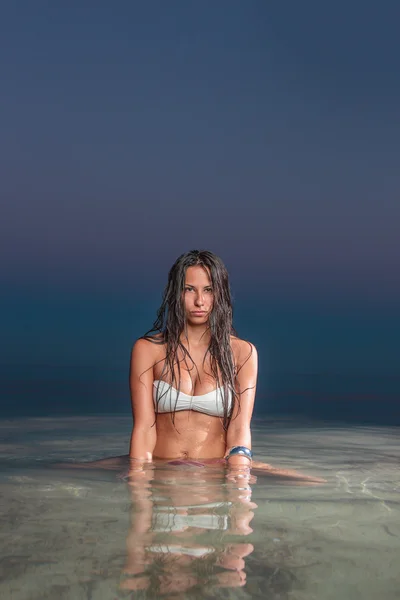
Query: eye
{"x": 188, "y": 289}
{"x": 208, "y": 290}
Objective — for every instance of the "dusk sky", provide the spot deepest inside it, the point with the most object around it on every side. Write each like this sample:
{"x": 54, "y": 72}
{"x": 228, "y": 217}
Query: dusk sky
{"x": 267, "y": 132}
{"x": 134, "y": 131}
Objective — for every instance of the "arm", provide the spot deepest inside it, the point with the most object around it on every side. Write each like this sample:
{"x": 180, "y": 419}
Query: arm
{"x": 239, "y": 433}
{"x": 143, "y": 438}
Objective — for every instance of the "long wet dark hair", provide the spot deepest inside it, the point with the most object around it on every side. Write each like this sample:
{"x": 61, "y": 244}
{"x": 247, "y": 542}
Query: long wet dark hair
{"x": 171, "y": 322}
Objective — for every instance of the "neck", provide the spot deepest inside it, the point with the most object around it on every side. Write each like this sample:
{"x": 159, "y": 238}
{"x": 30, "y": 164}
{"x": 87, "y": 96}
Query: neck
{"x": 196, "y": 335}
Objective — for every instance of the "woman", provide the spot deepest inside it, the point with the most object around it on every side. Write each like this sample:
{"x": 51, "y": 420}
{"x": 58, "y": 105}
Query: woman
{"x": 192, "y": 380}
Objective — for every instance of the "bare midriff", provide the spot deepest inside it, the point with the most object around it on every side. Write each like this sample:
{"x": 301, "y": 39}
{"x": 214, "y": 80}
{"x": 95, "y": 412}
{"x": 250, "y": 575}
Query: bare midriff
{"x": 192, "y": 435}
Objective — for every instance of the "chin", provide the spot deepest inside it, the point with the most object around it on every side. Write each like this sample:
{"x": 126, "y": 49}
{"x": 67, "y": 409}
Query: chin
{"x": 197, "y": 320}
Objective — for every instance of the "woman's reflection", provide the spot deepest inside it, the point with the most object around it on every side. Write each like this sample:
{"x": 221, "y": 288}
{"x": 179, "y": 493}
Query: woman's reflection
{"x": 184, "y": 521}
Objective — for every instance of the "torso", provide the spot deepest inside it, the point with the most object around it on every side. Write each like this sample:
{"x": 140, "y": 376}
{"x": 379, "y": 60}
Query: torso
{"x": 192, "y": 434}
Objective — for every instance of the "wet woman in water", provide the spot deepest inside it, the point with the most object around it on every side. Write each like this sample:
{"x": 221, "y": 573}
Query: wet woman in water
{"x": 192, "y": 380}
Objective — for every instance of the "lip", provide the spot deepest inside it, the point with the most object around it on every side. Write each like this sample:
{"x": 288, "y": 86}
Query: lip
{"x": 198, "y": 313}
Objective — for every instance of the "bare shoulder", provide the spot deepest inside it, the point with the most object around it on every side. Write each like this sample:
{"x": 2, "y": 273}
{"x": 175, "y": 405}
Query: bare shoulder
{"x": 146, "y": 352}
{"x": 243, "y": 351}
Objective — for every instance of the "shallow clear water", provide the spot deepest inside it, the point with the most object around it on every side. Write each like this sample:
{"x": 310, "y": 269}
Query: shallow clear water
{"x": 188, "y": 532}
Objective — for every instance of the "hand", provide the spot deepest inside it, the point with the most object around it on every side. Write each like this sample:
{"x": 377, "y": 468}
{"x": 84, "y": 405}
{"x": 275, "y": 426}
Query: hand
{"x": 286, "y": 473}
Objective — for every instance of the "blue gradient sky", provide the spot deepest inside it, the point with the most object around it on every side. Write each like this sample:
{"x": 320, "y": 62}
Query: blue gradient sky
{"x": 265, "y": 132}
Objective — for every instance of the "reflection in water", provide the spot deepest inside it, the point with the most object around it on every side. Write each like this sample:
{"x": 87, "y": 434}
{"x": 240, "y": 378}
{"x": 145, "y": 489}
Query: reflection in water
{"x": 187, "y": 529}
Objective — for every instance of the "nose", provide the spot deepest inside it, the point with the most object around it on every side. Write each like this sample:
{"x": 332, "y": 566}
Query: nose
{"x": 199, "y": 300}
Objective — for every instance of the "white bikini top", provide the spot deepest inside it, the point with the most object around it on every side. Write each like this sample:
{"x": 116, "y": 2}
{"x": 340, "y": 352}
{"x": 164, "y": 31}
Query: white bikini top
{"x": 165, "y": 397}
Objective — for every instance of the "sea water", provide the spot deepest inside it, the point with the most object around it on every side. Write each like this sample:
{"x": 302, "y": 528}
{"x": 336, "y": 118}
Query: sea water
{"x": 184, "y": 531}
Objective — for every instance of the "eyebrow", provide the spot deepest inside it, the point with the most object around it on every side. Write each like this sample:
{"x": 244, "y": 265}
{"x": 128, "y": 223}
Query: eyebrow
{"x": 193, "y": 286}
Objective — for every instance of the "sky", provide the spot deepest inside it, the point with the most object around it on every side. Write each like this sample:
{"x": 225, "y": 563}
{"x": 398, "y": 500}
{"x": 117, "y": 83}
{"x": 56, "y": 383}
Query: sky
{"x": 268, "y": 133}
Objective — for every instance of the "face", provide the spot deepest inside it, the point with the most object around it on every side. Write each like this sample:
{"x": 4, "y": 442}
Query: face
{"x": 198, "y": 295}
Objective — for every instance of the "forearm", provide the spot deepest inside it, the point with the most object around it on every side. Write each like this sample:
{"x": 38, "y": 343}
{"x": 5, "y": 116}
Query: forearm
{"x": 142, "y": 444}
{"x": 238, "y": 437}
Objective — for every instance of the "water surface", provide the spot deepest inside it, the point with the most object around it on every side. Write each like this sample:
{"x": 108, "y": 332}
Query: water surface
{"x": 189, "y": 532}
